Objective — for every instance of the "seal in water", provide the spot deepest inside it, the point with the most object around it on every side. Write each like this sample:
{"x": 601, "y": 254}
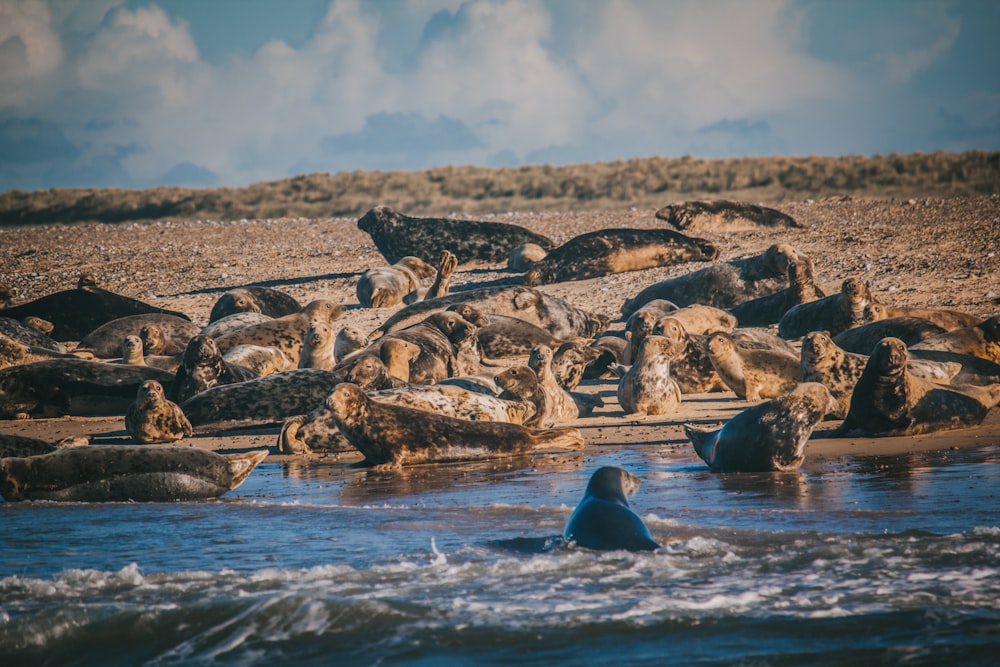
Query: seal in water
{"x": 752, "y": 374}
{"x": 766, "y": 437}
{"x": 833, "y": 314}
{"x": 387, "y": 286}
{"x": 609, "y": 251}
{"x": 106, "y": 340}
{"x": 603, "y": 520}
{"x": 723, "y": 216}
{"x": 203, "y": 367}
{"x": 889, "y": 400}
{"x": 390, "y": 436}
{"x": 254, "y": 299}
{"x": 949, "y": 320}
{"x": 153, "y": 418}
{"x": 647, "y": 388}
{"x": 123, "y": 473}
{"x": 397, "y": 235}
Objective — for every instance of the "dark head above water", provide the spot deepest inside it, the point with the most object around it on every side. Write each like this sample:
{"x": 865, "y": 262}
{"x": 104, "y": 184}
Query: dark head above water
{"x": 603, "y": 520}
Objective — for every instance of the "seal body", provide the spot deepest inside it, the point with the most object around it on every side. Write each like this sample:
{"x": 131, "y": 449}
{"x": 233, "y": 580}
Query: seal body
{"x": 981, "y": 340}
{"x": 504, "y": 336}
{"x": 397, "y": 236}
{"x": 254, "y": 299}
{"x": 769, "y": 436}
{"x": 834, "y": 313}
{"x": 28, "y": 335}
{"x": 767, "y": 310}
{"x": 949, "y": 320}
{"x": 20, "y": 445}
{"x": 571, "y": 360}
{"x": 317, "y": 347}
{"x": 125, "y": 473}
{"x": 523, "y": 256}
{"x": 203, "y": 367}
{"x": 722, "y": 215}
{"x": 285, "y": 333}
{"x": 603, "y": 520}
{"x": 691, "y": 368}
{"x": 647, "y": 388}
{"x": 565, "y": 404}
{"x": 752, "y": 374}
{"x": 520, "y": 383}
{"x": 230, "y": 323}
{"x": 154, "y": 419}
{"x": 386, "y": 286}
{"x": 436, "y": 340}
{"x": 106, "y": 340}
{"x": 609, "y": 251}
{"x": 261, "y": 359}
{"x": 14, "y": 353}
{"x": 862, "y": 339}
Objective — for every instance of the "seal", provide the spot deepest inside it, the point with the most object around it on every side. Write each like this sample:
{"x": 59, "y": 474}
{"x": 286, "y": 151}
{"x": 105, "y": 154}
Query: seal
{"x": 519, "y": 383}
{"x": 77, "y": 387}
{"x": 603, "y": 520}
{"x": 638, "y": 326}
{"x": 390, "y": 436}
{"x": 608, "y": 251}
{"x": 767, "y": 310}
{"x": 397, "y": 235}
{"x": 13, "y": 353}
{"x": 234, "y": 322}
{"x": 505, "y": 336}
{"x": 125, "y": 473}
{"x": 6, "y": 295}
{"x": 571, "y": 360}
{"x": 437, "y": 339}
{"x": 565, "y": 404}
{"x": 723, "y": 284}
{"x": 647, "y": 388}
{"x": 75, "y": 313}
{"x": 612, "y": 351}
{"x": 949, "y": 320}
{"x": 21, "y": 445}
{"x": 261, "y": 359}
{"x": 387, "y": 286}
{"x": 889, "y": 400}
{"x": 698, "y": 319}
{"x": 371, "y": 374}
{"x": 752, "y": 374}
{"x": 863, "y": 338}
{"x": 156, "y": 341}
{"x": 559, "y": 317}
{"x": 265, "y": 400}
{"x": 39, "y": 325}
{"x": 348, "y": 341}
{"x": 317, "y": 347}
{"x": 691, "y": 368}
{"x": 254, "y": 299}
{"x": 28, "y": 335}
{"x": 724, "y": 216}
{"x": 759, "y": 339}
{"x": 106, "y": 340}
{"x": 285, "y": 333}
{"x": 523, "y": 256}
{"x": 153, "y": 419}
{"x": 769, "y": 436}
{"x": 202, "y": 367}
{"x": 981, "y": 340}
{"x": 132, "y": 354}
{"x": 834, "y": 313}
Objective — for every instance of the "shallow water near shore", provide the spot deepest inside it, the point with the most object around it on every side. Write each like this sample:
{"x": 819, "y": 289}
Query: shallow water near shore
{"x": 863, "y": 561}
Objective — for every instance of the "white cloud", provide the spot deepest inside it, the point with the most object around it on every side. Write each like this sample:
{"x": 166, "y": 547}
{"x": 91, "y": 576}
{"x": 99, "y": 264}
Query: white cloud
{"x": 29, "y": 48}
{"x": 901, "y": 67}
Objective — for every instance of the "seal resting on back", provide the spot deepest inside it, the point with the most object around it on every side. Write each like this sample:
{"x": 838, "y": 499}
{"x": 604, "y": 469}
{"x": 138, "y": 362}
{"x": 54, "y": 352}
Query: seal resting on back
{"x": 123, "y": 473}
{"x": 397, "y": 235}
{"x": 153, "y": 418}
{"x": 603, "y": 520}
{"x": 390, "y": 436}
{"x": 386, "y": 286}
{"x": 609, "y": 251}
{"x": 889, "y": 400}
{"x": 254, "y": 299}
{"x": 766, "y": 437}
{"x": 723, "y": 216}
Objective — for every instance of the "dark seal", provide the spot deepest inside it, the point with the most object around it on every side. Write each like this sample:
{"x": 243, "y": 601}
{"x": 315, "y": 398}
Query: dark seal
{"x": 202, "y": 367}
{"x": 254, "y": 299}
{"x": 155, "y": 419}
{"x": 724, "y": 216}
{"x": 603, "y": 520}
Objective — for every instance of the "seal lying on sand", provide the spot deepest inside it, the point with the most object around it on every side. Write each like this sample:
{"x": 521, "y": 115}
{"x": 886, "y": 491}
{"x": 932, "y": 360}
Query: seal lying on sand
{"x": 285, "y": 333}
{"x": 437, "y": 339}
{"x": 767, "y": 310}
{"x": 723, "y": 216}
{"x": 752, "y": 374}
{"x": 153, "y": 418}
{"x": 566, "y": 404}
{"x": 833, "y": 314}
{"x": 386, "y": 286}
{"x": 609, "y": 251}
{"x": 261, "y": 359}
{"x": 863, "y": 339}
{"x": 13, "y": 353}
{"x": 123, "y": 473}
{"x": 203, "y": 367}
{"x": 571, "y": 360}
{"x": 254, "y": 299}
{"x": 523, "y": 256}
{"x": 20, "y": 445}
{"x": 28, "y": 335}
{"x": 889, "y": 400}
{"x": 604, "y": 520}
{"x": 397, "y": 235}
{"x": 949, "y": 320}
{"x": 981, "y": 340}
{"x": 231, "y": 323}
{"x": 106, "y": 340}
{"x": 647, "y": 388}
{"x": 519, "y": 383}
{"x": 393, "y": 435}
{"x": 691, "y": 368}
{"x": 767, "y": 436}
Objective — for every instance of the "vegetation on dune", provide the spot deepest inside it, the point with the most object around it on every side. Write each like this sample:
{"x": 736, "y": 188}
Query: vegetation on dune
{"x": 644, "y": 183}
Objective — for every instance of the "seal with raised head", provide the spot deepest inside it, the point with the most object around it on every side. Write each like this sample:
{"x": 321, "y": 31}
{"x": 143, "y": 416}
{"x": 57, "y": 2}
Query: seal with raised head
{"x": 519, "y": 383}
{"x": 691, "y": 368}
{"x": 156, "y": 341}
{"x": 769, "y": 436}
{"x": 153, "y": 419}
{"x": 387, "y": 286}
{"x": 13, "y": 353}
{"x": 203, "y": 367}
{"x": 371, "y": 373}
{"x": 608, "y": 251}
{"x": 724, "y": 284}
{"x": 75, "y": 313}
{"x": 394, "y": 435}
{"x": 603, "y": 520}
{"x": 106, "y": 340}
{"x": 472, "y": 241}
{"x": 125, "y": 473}
{"x": 566, "y": 404}
{"x": 752, "y": 374}
{"x": 571, "y": 360}
{"x": 889, "y": 400}
{"x": 723, "y": 216}
{"x": 647, "y": 387}
{"x": 524, "y": 256}
{"x": 132, "y": 353}
{"x": 949, "y": 320}
{"x": 317, "y": 347}
{"x": 437, "y": 338}
{"x": 981, "y": 340}
{"x": 833, "y": 314}
{"x": 285, "y": 333}
{"x": 863, "y": 338}
{"x": 767, "y": 310}
{"x": 348, "y": 341}
{"x": 254, "y": 299}
{"x": 28, "y": 335}
{"x": 233, "y": 322}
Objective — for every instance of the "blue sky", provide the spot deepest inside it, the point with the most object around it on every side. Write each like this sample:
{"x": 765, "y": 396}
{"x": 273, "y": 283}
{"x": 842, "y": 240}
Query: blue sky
{"x": 230, "y": 92}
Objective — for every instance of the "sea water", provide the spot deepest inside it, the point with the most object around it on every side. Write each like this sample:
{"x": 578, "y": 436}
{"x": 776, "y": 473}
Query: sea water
{"x": 887, "y": 560}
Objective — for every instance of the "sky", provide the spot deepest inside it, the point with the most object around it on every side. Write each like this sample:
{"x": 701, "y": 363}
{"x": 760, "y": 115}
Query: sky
{"x": 141, "y": 93}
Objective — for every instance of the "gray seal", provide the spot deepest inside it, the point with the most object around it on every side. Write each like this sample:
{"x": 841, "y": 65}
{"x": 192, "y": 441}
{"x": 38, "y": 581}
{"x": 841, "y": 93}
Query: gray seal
{"x": 106, "y": 340}
{"x": 203, "y": 367}
{"x": 862, "y": 339}
{"x": 387, "y": 286}
{"x": 833, "y": 314}
{"x": 724, "y": 216}
{"x": 647, "y": 387}
{"x": 155, "y": 419}
{"x": 603, "y": 520}
{"x": 254, "y": 299}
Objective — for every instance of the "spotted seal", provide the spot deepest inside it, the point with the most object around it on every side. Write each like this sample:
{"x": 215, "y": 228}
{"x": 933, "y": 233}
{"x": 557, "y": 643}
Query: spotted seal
{"x": 691, "y": 368}
{"x": 981, "y": 340}
{"x": 505, "y": 336}
{"x": 261, "y": 359}
{"x": 390, "y": 436}
{"x": 125, "y": 473}
{"x": 834, "y": 314}
{"x": 949, "y": 320}
{"x": 157, "y": 341}
{"x": 570, "y": 361}
{"x": 722, "y": 215}
{"x": 612, "y": 351}
{"x": 153, "y": 419}
{"x": 752, "y": 374}
{"x": 397, "y": 235}
{"x": 889, "y": 400}
{"x": 348, "y": 341}
{"x": 285, "y": 333}
{"x": 863, "y": 338}
{"x": 647, "y": 388}
{"x": 521, "y": 384}
{"x": 256, "y": 299}
{"x": 386, "y": 286}
{"x": 371, "y": 373}
{"x": 132, "y": 354}
{"x": 566, "y": 404}
{"x": 203, "y": 367}
{"x": 608, "y": 251}
{"x": 12, "y": 444}
{"x": 230, "y": 323}
{"x": 767, "y": 310}
{"x": 723, "y": 284}
{"x": 28, "y": 335}
{"x": 14, "y": 353}
{"x": 437, "y": 338}
{"x": 317, "y": 347}
{"x": 106, "y": 340}
{"x": 769, "y": 436}
{"x": 523, "y": 256}
{"x": 603, "y": 520}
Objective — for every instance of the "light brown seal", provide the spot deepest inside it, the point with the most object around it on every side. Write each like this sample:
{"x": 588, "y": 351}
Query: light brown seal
{"x": 125, "y": 473}
{"x": 371, "y": 373}
{"x": 523, "y": 256}
{"x": 254, "y": 298}
{"x": 603, "y": 520}
{"x": 387, "y": 286}
{"x": 230, "y": 323}
{"x": 153, "y": 419}
{"x": 981, "y": 340}
{"x": 692, "y": 368}
{"x": 834, "y": 314}
{"x": 647, "y": 388}
{"x": 519, "y": 383}
{"x": 348, "y": 341}
{"x": 863, "y": 338}
{"x": 437, "y": 338}
{"x": 949, "y": 320}
{"x": 285, "y": 333}
{"x": 156, "y": 341}
{"x": 203, "y": 367}
{"x": 397, "y": 235}
{"x": 317, "y": 347}
{"x": 14, "y": 353}
{"x": 28, "y": 335}
{"x": 261, "y": 359}
{"x": 722, "y": 215}
{"x": 889, "y": 400}
{"x": 565, "y": 404}
{"x": 106, "y": 340}
{"x": 390, "y": 436}
{"x": 608, "y": 251}
{"x": 132, "y": 354}
{"x": 752, "y": 374}
{"x": 766, "y": 437}
{"x": 767, "y": 310}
